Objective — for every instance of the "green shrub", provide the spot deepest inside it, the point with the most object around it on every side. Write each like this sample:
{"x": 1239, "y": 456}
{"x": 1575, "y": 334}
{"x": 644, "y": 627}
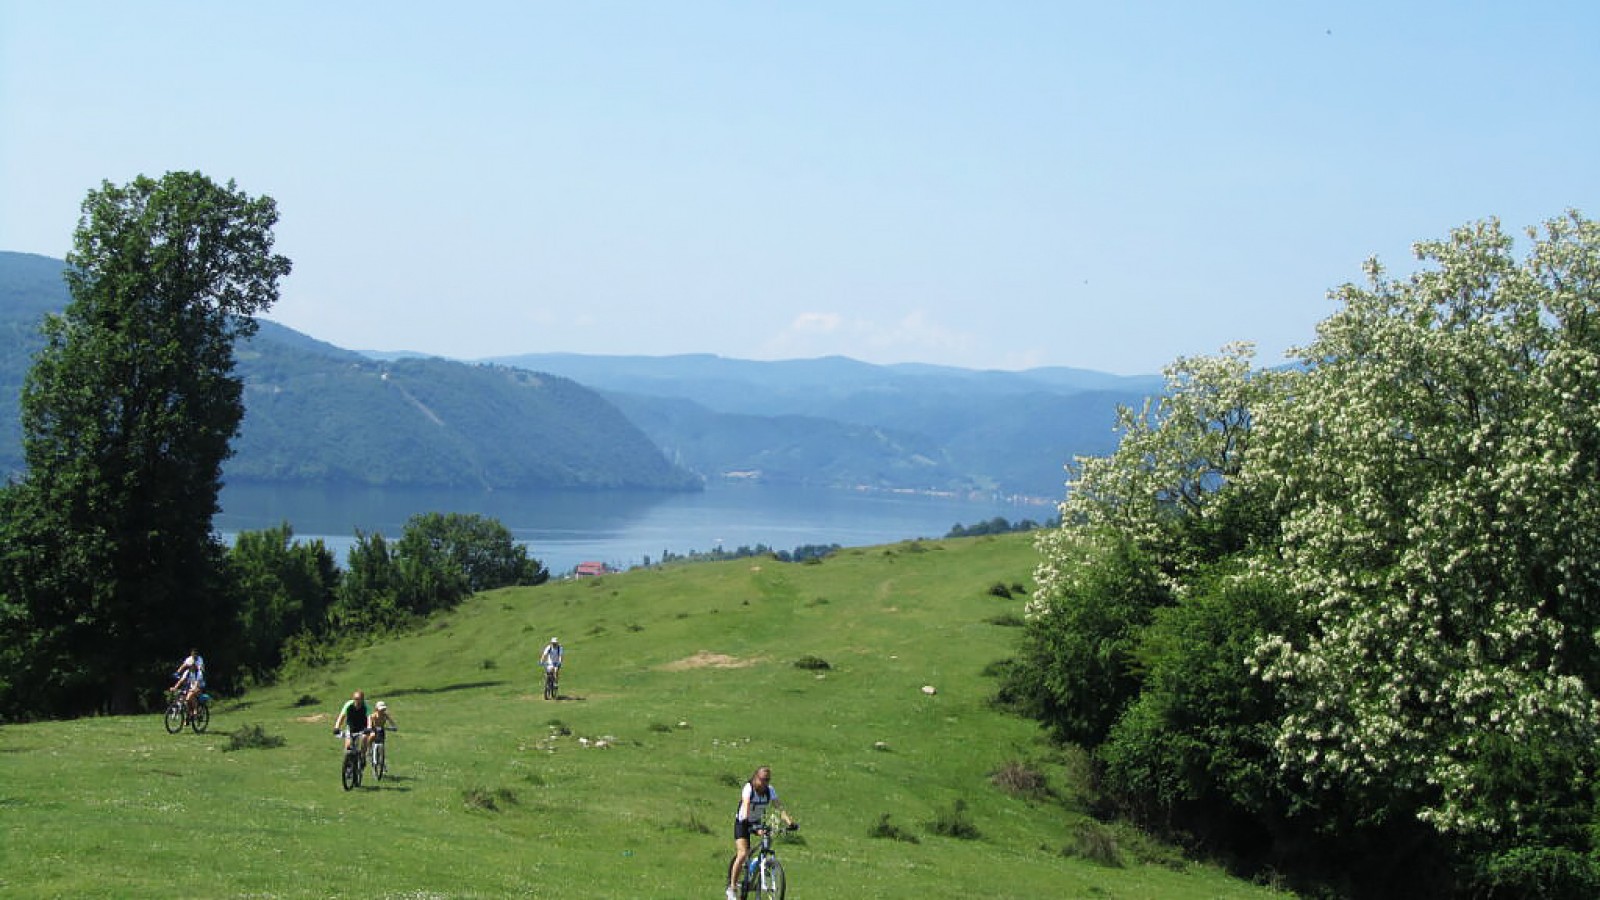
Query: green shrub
{"x": 1020, "y": 780}
{"x": 252, "y": 737}
{"x": 1538, "y": 873}
{"x": 953, "y": 821}
{"x": 811, "y": 662}
{"x": 483, "y": 798}
{"x": 1096, "y": 843}
{"x": 887, "y": 829}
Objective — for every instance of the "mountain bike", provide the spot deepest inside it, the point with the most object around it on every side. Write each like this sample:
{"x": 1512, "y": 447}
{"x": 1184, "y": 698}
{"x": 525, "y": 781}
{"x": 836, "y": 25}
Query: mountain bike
{"x": 379, "y": 753}
{"x": 350, "y": 768}
{"x": 179, "y": 714}
{"x": 763, "y": 874}
{"x": 552, "y": 678}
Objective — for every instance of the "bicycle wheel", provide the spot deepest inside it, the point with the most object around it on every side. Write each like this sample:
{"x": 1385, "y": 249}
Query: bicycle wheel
{"x": 201, "y": 718}
{"x": 350, "y": 775}
{"x": 174, "y": 717}
{"x": 379, "y": 759}
{"x": 549, "y": 686}
{"x": 770, "y": 885}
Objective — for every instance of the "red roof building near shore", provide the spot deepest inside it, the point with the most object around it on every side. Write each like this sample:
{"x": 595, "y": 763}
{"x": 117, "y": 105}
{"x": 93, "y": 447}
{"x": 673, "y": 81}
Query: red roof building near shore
{"x": 590, "y": 569}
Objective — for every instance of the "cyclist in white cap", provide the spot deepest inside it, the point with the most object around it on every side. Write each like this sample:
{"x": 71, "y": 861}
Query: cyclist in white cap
{"x": 550, "y": 659}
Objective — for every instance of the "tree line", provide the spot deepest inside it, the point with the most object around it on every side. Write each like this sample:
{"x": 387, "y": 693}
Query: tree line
{"x": 109, "y": 568}
{"x": 1339, "y": 623}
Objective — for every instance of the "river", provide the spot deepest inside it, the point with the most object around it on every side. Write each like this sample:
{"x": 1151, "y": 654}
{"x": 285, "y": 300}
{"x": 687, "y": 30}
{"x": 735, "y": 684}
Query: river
{"x": 622, "y": 528}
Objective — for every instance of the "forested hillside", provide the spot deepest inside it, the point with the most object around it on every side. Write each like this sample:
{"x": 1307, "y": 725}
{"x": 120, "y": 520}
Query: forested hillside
{"x": 844, "y": 422}
{"x": 316, "y": 413}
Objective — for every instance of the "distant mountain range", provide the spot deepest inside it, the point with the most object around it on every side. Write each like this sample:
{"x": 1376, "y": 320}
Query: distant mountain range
{"x": 317, "y": 413}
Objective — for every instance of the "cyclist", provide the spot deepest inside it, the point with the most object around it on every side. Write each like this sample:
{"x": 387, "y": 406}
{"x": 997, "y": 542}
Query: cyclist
{"x": 550, "y": 659}
{"x": 191, "y": 677}
{"x": 754, "y": 798}
{"x": 353, "y": 724}
{"x": 381, "y": 721}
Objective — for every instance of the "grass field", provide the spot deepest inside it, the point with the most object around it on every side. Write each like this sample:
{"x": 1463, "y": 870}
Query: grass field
{"x": 687, "y": 676}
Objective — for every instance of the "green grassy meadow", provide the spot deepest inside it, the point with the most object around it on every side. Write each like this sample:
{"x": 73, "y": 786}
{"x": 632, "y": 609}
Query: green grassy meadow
{"x": 686, "y": 674}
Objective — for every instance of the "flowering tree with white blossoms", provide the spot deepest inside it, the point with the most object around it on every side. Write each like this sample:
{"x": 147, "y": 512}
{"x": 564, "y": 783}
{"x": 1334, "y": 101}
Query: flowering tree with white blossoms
{"x": 1174, "y": 456}
{"x": 1437, "y": 471}
{"x": 1136, "y": 526}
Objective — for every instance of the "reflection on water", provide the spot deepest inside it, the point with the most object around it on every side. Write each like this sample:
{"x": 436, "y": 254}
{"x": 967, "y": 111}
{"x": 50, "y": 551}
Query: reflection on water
{"x": 622, "y": 528}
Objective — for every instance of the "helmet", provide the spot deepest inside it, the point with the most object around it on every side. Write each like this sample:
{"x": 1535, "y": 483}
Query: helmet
{"x": 555, "y": 640}
{"x": 382, "y": 705}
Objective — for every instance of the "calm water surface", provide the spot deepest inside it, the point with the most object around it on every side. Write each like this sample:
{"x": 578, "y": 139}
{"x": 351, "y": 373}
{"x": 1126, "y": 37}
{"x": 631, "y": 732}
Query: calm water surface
{"x": 562, "y": 529}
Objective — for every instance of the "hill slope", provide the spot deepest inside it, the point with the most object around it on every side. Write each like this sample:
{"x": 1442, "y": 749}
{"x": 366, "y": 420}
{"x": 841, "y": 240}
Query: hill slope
{"x": 909, "y": 425}
{"x": 686, "y": 673}
{"x": 318, "y": 414}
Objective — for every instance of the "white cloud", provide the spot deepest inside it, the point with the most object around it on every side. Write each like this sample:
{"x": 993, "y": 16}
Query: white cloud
{"x": 914, "y": 337}
{"x": 816, "y": 323}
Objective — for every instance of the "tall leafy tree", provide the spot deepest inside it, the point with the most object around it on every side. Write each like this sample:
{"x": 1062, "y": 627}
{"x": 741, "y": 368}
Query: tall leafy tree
{"x": 1380, "y": 634}
{"x": 128, "y": 414}
{"x": 1441, "y": 471}
{"x": 478, "y": 548}
{"x": 285, "y": 587}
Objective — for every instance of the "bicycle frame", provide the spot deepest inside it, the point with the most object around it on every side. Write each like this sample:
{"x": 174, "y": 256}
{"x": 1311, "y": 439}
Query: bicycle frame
{"x": 763, "y": 875}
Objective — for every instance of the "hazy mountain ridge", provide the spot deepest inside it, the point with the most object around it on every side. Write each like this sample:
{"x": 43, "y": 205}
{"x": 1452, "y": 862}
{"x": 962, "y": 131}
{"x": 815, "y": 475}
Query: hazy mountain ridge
{"x": 951, "y": 429}
{"x": 318, "y": 413}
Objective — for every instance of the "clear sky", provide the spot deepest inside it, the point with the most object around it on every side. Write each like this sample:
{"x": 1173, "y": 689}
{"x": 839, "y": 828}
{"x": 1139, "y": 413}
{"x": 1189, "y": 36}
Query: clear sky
{"x": 979, "y": 184}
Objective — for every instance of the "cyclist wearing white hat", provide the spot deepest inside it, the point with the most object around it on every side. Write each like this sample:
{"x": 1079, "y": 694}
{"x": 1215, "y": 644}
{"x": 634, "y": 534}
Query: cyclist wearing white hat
{"x": 550, "y": 659}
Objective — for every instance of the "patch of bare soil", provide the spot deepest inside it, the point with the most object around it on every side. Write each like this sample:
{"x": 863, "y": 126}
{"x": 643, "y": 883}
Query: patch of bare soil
{"x": 705, "y": 660}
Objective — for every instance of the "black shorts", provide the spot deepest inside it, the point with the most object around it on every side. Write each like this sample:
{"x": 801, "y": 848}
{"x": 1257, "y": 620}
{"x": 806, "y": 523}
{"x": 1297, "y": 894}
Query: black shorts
{"x": 742, "y": 829}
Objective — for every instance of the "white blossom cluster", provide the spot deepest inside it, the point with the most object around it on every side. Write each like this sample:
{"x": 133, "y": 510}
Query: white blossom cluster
{"x": 1434, "y": 470}
{"x": 1173, "y": 456}
{"x": 1439, "y": 471}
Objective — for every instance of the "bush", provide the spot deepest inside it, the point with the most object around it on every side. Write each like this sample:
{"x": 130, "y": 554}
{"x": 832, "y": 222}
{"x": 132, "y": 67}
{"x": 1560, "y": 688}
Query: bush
{"x": 954, "y": 822}
{"x": 483, "y": 798}
{"x": 887, "y": 829}
{"x": 252, "y": 737}
{"x": 1076, "y": 669}
{"x": 1539, "y": 873}
{"x": 1018, "y": 780}
{"x": 1096, "y": 843}
{"x": 812, "y": 662}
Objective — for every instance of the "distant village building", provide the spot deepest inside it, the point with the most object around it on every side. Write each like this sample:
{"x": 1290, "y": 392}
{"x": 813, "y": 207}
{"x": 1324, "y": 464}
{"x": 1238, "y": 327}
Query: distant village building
{"x": 590, "y": 570}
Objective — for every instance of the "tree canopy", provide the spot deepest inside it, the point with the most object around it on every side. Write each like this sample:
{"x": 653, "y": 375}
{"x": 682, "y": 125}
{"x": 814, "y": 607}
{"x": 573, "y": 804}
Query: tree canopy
{"x": 1348, "y": 609}
{"x": 128, "y": 413}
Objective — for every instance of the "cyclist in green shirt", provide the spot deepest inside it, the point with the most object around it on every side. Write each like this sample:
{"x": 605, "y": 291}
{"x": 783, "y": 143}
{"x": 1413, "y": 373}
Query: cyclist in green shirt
{"x": 352, "y": 723}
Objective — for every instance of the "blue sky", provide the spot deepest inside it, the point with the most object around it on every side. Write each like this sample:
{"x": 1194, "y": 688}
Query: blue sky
{"x": 987, "y": 185}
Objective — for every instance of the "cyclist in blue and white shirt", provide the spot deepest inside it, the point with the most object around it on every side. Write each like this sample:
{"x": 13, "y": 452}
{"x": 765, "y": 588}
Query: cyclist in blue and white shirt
{"x": 550, "y": 659}
{"x": 191, "y": 677}
{"x": 754, "y": 798}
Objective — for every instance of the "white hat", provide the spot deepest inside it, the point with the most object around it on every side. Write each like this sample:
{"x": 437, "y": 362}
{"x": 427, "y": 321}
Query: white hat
{"x": 555, "y": 640}
{"x": 382, "y": 705}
